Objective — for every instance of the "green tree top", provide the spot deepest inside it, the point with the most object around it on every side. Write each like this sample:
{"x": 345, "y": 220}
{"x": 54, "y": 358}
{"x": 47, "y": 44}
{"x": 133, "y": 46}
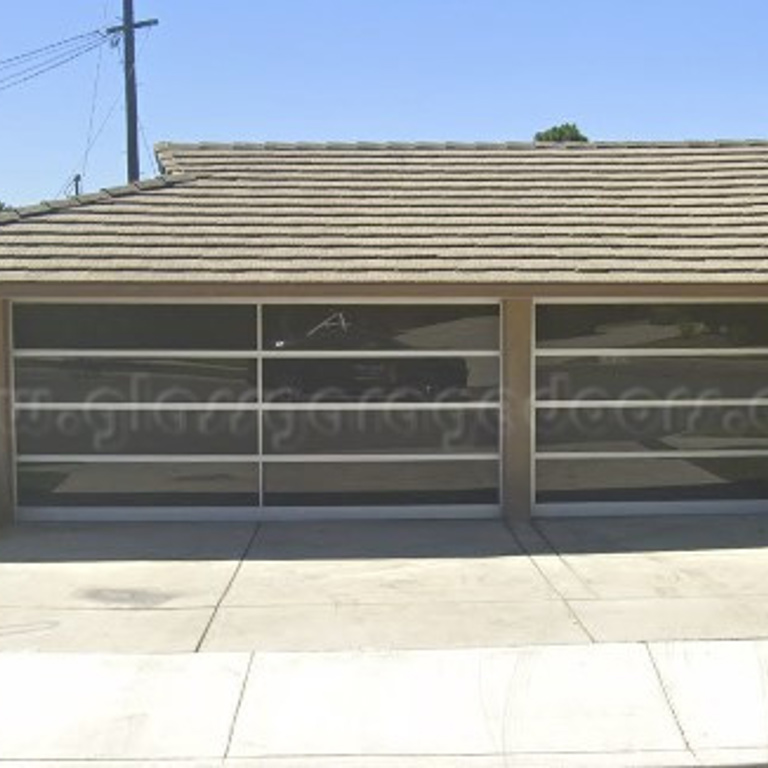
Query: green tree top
{"x": 562, "y": 133}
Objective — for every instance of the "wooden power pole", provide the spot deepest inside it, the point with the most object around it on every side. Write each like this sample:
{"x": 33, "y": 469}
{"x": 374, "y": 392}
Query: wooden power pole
{"x": 128, "y": 29}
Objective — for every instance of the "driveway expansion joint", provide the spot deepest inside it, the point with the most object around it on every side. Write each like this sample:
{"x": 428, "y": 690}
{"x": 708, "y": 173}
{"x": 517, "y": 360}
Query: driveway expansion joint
{"x": 204, "y": 635}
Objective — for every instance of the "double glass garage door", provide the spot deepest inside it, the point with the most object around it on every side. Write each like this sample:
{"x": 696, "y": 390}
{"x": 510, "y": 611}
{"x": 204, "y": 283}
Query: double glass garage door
{"x": 272, "y": 407}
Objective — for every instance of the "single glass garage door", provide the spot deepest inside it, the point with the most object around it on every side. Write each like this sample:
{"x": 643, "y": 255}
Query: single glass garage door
{"x": 651, "y": 408}
{"x": 272, "y": 410}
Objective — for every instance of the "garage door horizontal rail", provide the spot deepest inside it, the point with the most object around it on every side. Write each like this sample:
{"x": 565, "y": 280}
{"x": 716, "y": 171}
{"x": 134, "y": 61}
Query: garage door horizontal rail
{"x": 253, "y": 354}
{"x": 651, "y": 352}
{"x": 640, "y": 404}
{"x": 235, "y": 406}
{"x": 293, "y": 458}
{"x": 652, "y": 454}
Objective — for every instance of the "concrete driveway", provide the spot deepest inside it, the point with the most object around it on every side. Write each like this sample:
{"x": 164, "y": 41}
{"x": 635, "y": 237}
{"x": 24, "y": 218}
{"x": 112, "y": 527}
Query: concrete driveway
{"x": 171, "y": 588}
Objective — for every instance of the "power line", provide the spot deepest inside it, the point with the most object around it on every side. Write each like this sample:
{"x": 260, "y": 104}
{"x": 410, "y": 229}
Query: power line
{"x": 147, "y": 148}
{"x": 92, "y": 114}
{"x": 33, "y": 64}
{"x": 94, "y": 137}
{"x": 90, "y": 138}
{"x": 91, "y": 143}
{"x": 39, "y": 51}
{"x": 103, "y": 125}
{"x": 49, "y": 60}
{"x": 48, "y": 65}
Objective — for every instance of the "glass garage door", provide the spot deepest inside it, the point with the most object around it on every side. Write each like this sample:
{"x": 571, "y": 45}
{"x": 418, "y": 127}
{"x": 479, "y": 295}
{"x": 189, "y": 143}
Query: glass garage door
{"x": 651, "y": 408}
{"x": 266, "y": 410}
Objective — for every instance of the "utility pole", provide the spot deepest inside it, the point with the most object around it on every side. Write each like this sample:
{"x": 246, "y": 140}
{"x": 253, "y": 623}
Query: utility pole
{"x": 128, "y": 29}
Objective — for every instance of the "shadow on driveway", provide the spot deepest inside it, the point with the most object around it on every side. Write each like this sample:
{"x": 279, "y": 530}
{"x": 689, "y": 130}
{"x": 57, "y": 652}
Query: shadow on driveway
{"x": 663, "y": 533}
{"x": 394, "y": 539}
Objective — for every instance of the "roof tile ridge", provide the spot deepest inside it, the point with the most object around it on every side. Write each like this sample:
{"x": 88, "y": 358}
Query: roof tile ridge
{"x": 166, "y": 151}
{"x": 103, "y": 195}
{"x": 166, "y": 159}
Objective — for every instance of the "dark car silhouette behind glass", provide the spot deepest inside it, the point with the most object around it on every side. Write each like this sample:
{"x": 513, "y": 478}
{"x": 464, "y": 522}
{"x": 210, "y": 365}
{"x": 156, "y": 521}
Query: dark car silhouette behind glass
{"x": 360, "y": 378}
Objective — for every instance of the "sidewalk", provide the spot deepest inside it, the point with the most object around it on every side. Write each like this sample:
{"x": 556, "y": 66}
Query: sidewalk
{"x": 667, "y": 704}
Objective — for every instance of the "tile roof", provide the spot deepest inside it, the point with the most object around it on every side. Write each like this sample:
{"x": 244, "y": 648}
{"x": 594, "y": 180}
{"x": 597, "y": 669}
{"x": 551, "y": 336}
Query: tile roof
{"x": 406, "y": 213}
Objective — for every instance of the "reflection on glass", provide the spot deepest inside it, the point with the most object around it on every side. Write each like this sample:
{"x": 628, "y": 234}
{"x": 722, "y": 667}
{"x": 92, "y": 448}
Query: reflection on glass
{"x": 136, "y": 432}
{"x": 139, "y": 326}
{"x": 447, "y": 379}
{"x": 136, "y": 485}
{"x": 395, "y": 431}
{"x": 390, "y": 327}
{"x": 351, "y": 484}
{"x": 651, "y": 378}
{"x": 561, "y": 480}
{"x": 683, "y": 325}
{"x": 119, "y": 380}
{"x": 652, "y": 429}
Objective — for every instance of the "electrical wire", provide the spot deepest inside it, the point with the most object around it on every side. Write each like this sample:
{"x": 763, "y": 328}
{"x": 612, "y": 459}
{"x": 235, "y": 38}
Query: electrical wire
{"x": 50, "y": 61}
{"x": 22, "y": 68}
{"x": 94, "y": 137}
{"x": 47, "y": 62}
{"x": 48, "y": 65}
{"x": 91, "y": 144}
{"x": 40, "y": 51}
{"x": 148, "y": 149}
{"x": 94, "y": 97}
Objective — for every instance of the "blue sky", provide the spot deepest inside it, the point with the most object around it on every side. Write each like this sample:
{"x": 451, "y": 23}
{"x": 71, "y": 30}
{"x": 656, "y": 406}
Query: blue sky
{"x": 288, "y": 70}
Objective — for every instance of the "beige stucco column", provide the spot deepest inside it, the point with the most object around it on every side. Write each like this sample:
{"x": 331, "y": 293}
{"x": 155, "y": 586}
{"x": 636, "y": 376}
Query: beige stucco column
{"x": 6, "y": 417}
{"x": 516, "y": 454}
